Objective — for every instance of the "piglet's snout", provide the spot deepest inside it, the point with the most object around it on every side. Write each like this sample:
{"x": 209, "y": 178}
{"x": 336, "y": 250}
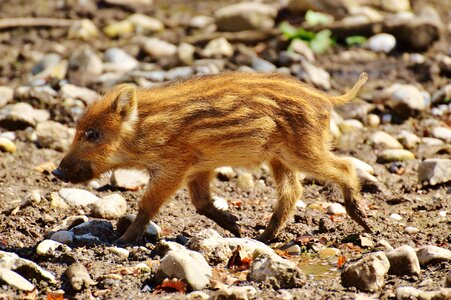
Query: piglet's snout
{"x": 58, "y": 173}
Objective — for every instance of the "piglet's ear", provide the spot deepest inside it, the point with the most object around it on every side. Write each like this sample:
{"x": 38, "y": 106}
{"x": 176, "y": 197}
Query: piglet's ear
{"x": 125, "y": 103}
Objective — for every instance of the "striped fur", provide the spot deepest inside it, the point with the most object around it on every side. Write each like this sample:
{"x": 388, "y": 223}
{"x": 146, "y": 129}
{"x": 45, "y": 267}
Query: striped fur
{"x": 182, "y": 130}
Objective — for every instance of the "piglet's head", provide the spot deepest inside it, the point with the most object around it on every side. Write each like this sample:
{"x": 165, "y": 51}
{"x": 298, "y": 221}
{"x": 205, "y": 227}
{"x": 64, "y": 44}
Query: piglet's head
{"x": 101, "y": 136}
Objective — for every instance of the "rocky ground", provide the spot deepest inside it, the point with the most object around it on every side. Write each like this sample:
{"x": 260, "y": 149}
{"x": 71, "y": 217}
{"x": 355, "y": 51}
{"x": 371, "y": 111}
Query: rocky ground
{"x": 57, "y": 239}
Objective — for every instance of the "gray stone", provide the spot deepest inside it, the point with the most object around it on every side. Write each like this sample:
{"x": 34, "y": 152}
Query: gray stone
{"x": 13, "y": 262}
{"x": 119, "y": 61}
{"x": 302, "y": 48}
{"x": 403, "y": 261}
{"x": 391, "y": 155}
{"x": 47, "y": 61}
{"x": 179, "y": 72}
{"x": 15, "y": 280}
{"x": 201, "y": 21}
{"x": 278, "y": 272}
{"x": 129, "y": 179}
{"x": 77, "y": 197}
{"x": 261, "y": 65}
{"x": 94, "y": 231}
{"x": 442, "y": 95}
{"x": 54, "y": 135}
{"x": 435, "y": 171}
{"x": 63, "y": 236}
{"x": 385, "y": 140}
{"x": 245, "y": 16}
{"x": 21, "y": 115}
{"x": 368, "y": 273}
{"x": 6, "y": 95}
{"x": 157, "y": 48}
{"x": 186, "y": 265}
{"x": 50, "y": 248}
{"x": 84, "y": 66}
{"x": 110, "y": 207}
{"x": 432, "y": 255}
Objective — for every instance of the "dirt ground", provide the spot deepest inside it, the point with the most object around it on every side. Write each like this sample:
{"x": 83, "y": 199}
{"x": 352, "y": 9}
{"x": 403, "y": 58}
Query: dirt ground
{"x": 419, "y": 206}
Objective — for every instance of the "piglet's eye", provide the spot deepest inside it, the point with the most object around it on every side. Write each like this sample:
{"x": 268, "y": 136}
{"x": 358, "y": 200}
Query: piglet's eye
{"x": 92, "y": 135}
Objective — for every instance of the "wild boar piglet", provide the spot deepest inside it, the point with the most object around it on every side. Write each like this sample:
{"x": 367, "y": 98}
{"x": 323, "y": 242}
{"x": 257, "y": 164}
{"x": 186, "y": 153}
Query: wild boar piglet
{"x": 181, "y": 131}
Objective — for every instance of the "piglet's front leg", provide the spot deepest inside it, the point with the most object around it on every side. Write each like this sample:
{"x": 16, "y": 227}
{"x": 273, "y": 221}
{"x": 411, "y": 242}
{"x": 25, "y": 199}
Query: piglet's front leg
{"x": 158, "y": 191}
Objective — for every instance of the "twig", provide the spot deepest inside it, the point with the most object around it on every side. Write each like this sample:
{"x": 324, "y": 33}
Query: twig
{"x": 34, "y": 22}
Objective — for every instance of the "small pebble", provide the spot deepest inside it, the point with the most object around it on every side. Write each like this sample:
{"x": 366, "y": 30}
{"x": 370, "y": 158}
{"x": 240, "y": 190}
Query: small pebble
{"x": 63, "y": 236}
{"x": 411, "y": 230}
{"x": 121, "y": 252}
{"x": 396, "y": 217}
{"x": 7, "y": 145}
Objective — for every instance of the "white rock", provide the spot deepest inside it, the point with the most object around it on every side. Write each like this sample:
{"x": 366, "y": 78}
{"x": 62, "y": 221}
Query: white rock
{"x": 300, "y": 204}
{"x": 15, "y": 280}
{"x": 368, "y": 273}
{"x": 314, "y": 75}
{"x": 395, "y": 6}
{"x": 217, "y": 249}
{"x": 302, "y": 48}
{"x": 49, "y": 248}
{"x": 433, "y": 254}
{"x": 432, "y": 141}
{"x": 201, "y": 21}
{"x": 262, "y": 65}
{"x": 187, "y": 265}
{"x": 157, "y": 48}
{"x": 6, "y": 95}
{"x": 75, "y": 92}
{"x": 435, "y": 171}
{"x": 443, "y": 133}
{"x": 83, "y": 29}
{"x": 119, "y": 61}
{"x": 77, "y": 197}
{"x": 225, "y": 173}
{"x": 7, "y": 145}
{"x": 220, "y": 203}
{"x": 21, "y": 115}
{"x": 186, "y": 52}
{"x": 385, "y": 140}
{"x": 384, "y": 245}
{"x": 411, "y": 230}
{"x": 336, "y": 209}
{"x": 404, "y": 96}
{"x": 13, "y": 262}
{"x": 359, "y": 164}
{"x": 373, "y": 120}
{"x": 442, "y": 213}
{"x": 403, "y": 261}
{"x": 381, "y": 42}
{"x": 245, "y": 16}
{"x": 120, "y": 28}
{"x": 145, "y": 24}
{"x": 54, "y": 135}
{"x": 85, "y": 61}
{"x": 408, "y": 292}
{"x": 63, "y": 236}
{"x": 396, "y": 217}
{"x": 121, "y": 252}
{"x": 408, "y": 139}
{"x": 236, "y": 292}
{"x": 245, "y": 181}
{"x": 294, "y": 250}
{"x": 110, "y": 207}
{"x": 278, "y": 272}
{"x": 129, "y": 179}
{"x": 217, "y": 48}
{"x": 391, "y": 155}
{"x": 350, "y": 125}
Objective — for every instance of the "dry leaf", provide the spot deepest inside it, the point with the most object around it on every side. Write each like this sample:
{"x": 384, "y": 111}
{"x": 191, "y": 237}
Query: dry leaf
{"x": 341, "y": 261}
{"x": 171, "y": 286}
{"x": 236, "y": 262}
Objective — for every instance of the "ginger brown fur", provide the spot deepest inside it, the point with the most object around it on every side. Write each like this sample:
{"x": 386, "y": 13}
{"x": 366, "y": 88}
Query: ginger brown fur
{"x": 181, "y": 131}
